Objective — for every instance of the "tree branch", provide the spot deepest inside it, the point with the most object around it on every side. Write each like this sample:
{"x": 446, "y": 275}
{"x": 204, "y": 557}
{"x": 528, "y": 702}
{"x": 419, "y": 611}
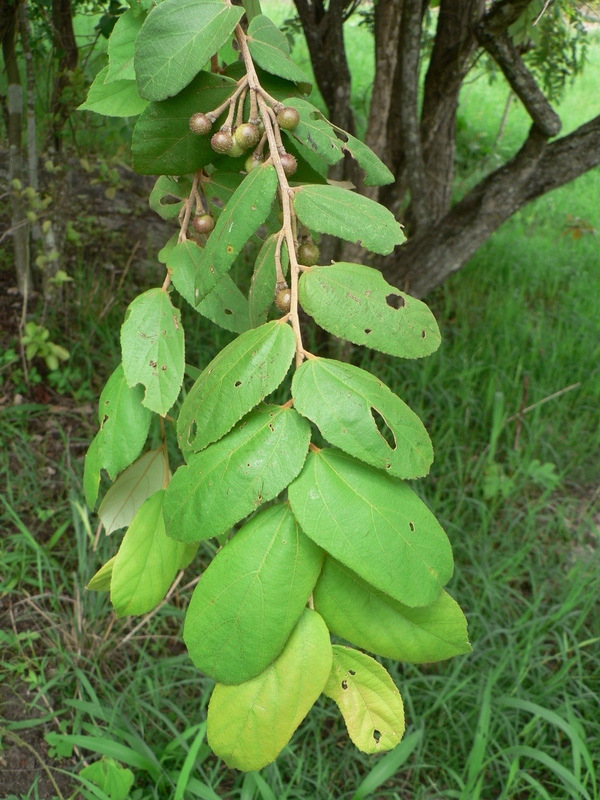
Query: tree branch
{"x": 430, "y": 258}
{"x": 522, "y": 82}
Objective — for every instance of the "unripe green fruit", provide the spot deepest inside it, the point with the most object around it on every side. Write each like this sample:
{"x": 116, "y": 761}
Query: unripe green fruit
{"x": 222, "y": 142}
{"x": 252, "y": 163}
{"x": 283, "y": 300}
{"x": 203, "y": 223}
{"x": 200, "y": 124}
{"x": 246, "y": 135}
{"x": 289, "y": 164}
{"x": 236, "y": 149}
{"x": 288, "y": 118}
{"x": 308, "y": 254}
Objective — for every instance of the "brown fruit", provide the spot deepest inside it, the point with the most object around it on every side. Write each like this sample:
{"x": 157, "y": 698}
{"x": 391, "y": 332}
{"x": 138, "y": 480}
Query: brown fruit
{"x": 308, "y": 254}
{"x": 246, "y": 135}
{"x": 283, "y": 300}
{"x": 200, "y": 124}
{"x": 289, "y": 164}
{"x": 203, "y": 223}
{"x": 222, "y": 142}
{"x": 288, "y": 118}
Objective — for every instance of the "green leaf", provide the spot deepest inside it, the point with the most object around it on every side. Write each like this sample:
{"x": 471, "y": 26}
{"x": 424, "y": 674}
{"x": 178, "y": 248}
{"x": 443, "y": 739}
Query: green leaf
{"x": 314, "y": 132}
{"x": 163, "y": 143}
{"x": 376, "y": 622}
{"x": 264, "y": 280}
{"x": 355, "y": 302}
{"x": 121, "y": 45}
{"x": 100, "y": 581}
{"x": 109, "y": 776}
{"x": 220, "y": 187}
{"x": 376, "y": 172}
{"x": 242, "y": 375}
{"x": 351, "y": 216}
{"x": 250, "y": 724}
{"x": 132, "y": 488}
{"x": 176, "y": 41}
{"x": 168, "y": 195}
{"x": 245, "y": 212}
{"x": 251, "y": 597}
{"x": 230, "y": 479}
{"x": 116, "y": 99}
{"x": 270, "y": 50}
{"x": 368, "y": 699}
{"x": 153, "y": 345}
{"x": 146, "y": 563}
{"x": 225, "y": 305}
{"x": 374, "y": 524}
{"x": 342, "y": 401}
{"x": 124, "y": 425}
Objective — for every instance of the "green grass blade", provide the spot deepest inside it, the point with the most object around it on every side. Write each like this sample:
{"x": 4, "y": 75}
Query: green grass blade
{"x": 574, "y": 787}
{"x": 388, "y": 766}
{"x": 188, "y": 764}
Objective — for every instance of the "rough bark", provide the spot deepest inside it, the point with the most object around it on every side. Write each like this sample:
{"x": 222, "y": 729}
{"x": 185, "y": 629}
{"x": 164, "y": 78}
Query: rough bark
{"x": 19, "y": 222}
{"x": 427, "y": 260}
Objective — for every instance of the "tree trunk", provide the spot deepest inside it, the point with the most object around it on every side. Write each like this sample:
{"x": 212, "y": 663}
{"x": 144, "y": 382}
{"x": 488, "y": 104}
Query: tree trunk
{"x": 427, "y": 260}
{"x": 66, "y": 49}
{"x": 19, "y": 222}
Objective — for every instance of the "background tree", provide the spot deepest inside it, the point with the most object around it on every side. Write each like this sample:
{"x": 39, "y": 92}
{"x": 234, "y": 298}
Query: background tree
{"x": 413, "y": 131}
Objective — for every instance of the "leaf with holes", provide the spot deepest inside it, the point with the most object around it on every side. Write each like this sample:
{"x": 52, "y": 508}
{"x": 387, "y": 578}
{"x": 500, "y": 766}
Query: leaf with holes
{"x": 121, "y": 46}
{"x": 176, "y": 41}
{"x": 248, "y": 725}
{"x": 146, "y": 563}
{"x": 225, "y": 305}
{"x": 351, "y": 216}
{"x": 354, "y": 302}
{"x": 163, "y": 143}
{"x": 374, "y": 524}
{"x": 153, "y": 345}
{"x": 230, "y": 479}
{"x": 314, "y": 132}
{"x": 219, "y": 188}
{"x": 116, "y": 99}
{"x": 345, "y": 402}
{"x": 376, "y": 172}
{"x": 264, "y": 279}
{"x": 124, "y": 425}
{"x": 139, "y": 481}
{"x": 376, "y": 622}
{"x": 100, "y": 581}
{"x": 251, "y": 597}
{"x": 270, "y": 50}
{"x": 246, "y": 211}
{"x": 168, "y": 196}
{"x": 242, "y": 375}
{"x": 368, "y": 699}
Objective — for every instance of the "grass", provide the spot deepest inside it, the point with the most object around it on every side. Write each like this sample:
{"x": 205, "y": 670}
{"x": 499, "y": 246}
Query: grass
{"x": 515, "y": 719}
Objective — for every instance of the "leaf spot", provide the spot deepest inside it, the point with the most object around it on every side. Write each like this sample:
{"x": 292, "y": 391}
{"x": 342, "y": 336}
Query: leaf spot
{"x": 164, "y": 368}
{"x": 411, "y": 525}
{"x": 192, "y": 430}
{"x": 367, "y": 331}
{"x": 227, "y": 311}
{"x": 395, "y": 301}
{"x": 229, "y": 249}
{"x": 377, "y": 735}
{"x": 237, "y": 384}
{"x": 351, "y": 672}
{"x": 423, "y": 334}
{"x": 152, "y": 364}
{"x": 344, "y": 685}
{"x": 176, "y": 321}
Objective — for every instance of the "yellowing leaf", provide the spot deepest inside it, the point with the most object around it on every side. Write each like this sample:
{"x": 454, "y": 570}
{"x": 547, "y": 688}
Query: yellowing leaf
{"x": 249, "y": 724}
{"x": 368, "y": 699}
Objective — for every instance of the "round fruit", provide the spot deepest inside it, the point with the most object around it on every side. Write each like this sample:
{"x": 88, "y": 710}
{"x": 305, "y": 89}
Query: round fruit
{"x": 252, "y": 163}
{"x": 289, "y": 164}
{"x": 283, "y": 300}
{"x": 308, "y": 254}
{"x": 288, "y": 118}
{"x": 200, "y": 124}
{"x": 203, "y": 223}
{"x": 246, "y": 135}
{"x": 221, "y": 142}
